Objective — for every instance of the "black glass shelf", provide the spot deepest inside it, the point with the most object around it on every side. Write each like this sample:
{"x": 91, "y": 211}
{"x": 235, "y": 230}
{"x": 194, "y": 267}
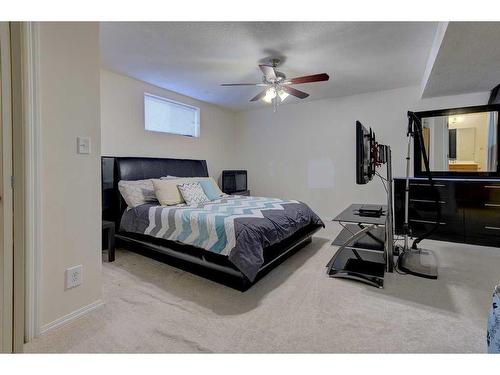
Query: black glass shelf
{"x": 373, "y": 240}
{"x": 362, "y": 259}
{"x": 359, "y": 264}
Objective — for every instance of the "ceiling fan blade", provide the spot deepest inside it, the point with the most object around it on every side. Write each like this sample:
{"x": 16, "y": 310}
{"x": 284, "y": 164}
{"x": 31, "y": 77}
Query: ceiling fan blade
{"x": 297, "y": 93}
{"x": 243, "y": 84}
{"x": 308, "y": 79}
{"x": 269, "y": 72}
{"x": 259, "y": 96}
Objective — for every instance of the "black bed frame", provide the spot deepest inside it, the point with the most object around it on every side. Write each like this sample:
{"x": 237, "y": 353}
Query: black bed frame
{"x": 189, "y": 258}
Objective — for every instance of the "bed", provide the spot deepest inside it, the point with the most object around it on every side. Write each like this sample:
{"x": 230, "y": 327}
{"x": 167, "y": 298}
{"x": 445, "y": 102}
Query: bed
{"x": 234, "y": 240}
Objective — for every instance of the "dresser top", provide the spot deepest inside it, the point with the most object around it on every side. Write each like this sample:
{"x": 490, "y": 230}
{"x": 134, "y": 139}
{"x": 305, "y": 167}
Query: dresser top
{"x": 451, "y": 179}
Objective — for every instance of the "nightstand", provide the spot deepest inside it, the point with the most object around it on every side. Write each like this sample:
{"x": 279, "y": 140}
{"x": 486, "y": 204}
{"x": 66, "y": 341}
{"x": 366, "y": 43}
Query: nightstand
{"x": 108, "y": 238}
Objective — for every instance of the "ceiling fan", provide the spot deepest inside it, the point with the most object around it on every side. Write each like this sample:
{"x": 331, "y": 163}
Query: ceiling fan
{"x": 278, "y": 87}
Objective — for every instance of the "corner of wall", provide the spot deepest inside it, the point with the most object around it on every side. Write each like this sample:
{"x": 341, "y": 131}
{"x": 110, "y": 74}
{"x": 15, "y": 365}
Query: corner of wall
{"x": 436, "y": 45}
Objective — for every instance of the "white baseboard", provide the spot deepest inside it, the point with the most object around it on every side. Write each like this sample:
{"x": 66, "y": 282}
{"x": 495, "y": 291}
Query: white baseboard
{"x": 71, "y": 316}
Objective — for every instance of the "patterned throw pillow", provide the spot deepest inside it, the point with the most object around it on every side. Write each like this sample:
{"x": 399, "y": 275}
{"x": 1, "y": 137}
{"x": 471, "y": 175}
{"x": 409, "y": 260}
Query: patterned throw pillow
{"x": 137, "y": 192}
{"x": 193, "y": 193}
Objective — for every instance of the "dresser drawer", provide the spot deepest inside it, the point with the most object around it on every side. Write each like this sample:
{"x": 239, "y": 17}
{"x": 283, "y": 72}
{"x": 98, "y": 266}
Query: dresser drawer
{"x": 422, "y": 206}
{"x": 422, "y": 217}
{"x": 447, "y": 231}
{"x": 425, "y": 192}
{"x": 483, "y": 223}
{"x": 422, "y": 210}
{"x": 491, "y": 193}
{"x": 477, "y": 193}
{"x": 487, "y": 214}
{"x": 427, "y": 209}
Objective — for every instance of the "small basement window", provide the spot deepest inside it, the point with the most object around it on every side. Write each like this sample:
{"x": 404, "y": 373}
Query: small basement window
{"x": 166, "y": 116}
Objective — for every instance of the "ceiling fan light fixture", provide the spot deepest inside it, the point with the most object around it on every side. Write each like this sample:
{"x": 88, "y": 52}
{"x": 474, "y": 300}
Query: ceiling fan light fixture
{"x": 270, "y": 95}
{"x": 283, "y": 95}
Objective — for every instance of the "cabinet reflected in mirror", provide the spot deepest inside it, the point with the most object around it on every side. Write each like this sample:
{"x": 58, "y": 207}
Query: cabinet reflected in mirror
{"x": 466, "y": 143}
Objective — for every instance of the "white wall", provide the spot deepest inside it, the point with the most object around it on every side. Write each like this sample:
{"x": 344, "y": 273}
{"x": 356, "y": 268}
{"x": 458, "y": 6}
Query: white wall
{"x": 71, "y": 196}
{"x": 123, "y": 134}
{"x": 440, "y": 143}
{"x": 306, "y": 151}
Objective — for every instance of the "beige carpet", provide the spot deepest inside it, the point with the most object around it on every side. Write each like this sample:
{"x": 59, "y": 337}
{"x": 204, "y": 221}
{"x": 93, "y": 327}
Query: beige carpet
{"x": 152, "y": 307}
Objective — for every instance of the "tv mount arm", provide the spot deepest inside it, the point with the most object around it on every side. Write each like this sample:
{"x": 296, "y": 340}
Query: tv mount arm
{"x": 384, "y": 156}
{"x": 381, "y": 154}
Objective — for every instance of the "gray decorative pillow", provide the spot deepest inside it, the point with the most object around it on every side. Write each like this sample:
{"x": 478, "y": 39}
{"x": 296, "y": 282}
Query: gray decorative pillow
{"x": 137, "y": 192}
{"x": 193, "y": 193}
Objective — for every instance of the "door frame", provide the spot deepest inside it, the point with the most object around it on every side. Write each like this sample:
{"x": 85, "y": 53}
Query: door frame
{"x": 7, "y": 210}
{"x": 19, "y": 152}
{"x": 33, "y": 178}
{"x": 20, "y": 186}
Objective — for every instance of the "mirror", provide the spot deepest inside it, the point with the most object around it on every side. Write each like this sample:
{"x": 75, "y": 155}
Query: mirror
{"x": 460, "y": 142}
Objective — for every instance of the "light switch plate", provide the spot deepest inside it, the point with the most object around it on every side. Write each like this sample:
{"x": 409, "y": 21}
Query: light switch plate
{"x": 83, "y": 145}
{"x": 74, "y": 276}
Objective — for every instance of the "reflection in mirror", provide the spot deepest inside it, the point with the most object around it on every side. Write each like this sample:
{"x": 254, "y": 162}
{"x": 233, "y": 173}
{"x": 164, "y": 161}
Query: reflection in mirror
{"x": 462, "y": 143}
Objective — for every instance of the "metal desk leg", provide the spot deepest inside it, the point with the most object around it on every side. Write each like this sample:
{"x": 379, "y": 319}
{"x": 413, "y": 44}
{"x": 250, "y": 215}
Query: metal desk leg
{"x": 349, "y": 242}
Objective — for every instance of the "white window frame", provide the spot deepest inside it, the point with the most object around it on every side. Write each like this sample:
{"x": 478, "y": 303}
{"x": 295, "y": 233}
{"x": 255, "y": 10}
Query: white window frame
{"x": 161, "y": 98}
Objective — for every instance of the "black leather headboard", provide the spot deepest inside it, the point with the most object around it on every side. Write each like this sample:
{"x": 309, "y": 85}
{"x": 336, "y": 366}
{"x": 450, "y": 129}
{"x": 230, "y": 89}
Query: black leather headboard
{"x": 115, "y": 169}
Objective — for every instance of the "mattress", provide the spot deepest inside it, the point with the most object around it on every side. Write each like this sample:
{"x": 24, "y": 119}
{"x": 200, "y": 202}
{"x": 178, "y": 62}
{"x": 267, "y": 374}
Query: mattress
{"x": 239, "y": 227}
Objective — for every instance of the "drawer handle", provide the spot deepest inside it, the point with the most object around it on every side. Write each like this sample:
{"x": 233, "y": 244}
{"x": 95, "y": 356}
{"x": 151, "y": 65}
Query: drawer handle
{"x": 435, "y": 185}
{"x": 492, "y": 228}
{"x": 491, "y": 205}
{"x": 426, "y": 201}
{"x": 426, "y": 221}
{"x": 492, "y": 186}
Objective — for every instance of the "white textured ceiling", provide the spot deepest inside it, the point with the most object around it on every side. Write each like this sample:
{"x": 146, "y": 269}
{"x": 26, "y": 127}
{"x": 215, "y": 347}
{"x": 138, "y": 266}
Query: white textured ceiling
{"x": 468, "y": 60}
{"x": 194, "y": 58}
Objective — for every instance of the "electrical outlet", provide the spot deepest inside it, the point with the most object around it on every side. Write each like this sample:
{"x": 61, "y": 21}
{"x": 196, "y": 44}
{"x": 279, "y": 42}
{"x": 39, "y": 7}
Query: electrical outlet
{"x": 74, "y": 276}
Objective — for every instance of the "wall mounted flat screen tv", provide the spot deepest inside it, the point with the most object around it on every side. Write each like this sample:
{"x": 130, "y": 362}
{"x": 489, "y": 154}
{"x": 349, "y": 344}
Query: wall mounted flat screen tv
{"x": 365, "y": 162}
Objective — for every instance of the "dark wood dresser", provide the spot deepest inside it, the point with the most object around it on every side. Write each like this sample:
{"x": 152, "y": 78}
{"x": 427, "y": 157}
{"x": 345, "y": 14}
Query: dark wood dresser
{"x": 470, "y": 209}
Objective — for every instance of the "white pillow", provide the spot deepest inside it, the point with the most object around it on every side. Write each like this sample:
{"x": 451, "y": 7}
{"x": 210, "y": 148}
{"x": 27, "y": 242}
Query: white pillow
{"x": 167, "y": 192}
{"x": 193, "y": 193}
{"x": 137, "y": 192}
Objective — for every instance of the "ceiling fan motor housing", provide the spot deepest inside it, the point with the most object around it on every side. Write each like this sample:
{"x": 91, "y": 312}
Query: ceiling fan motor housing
{"x": 280, "y": 77}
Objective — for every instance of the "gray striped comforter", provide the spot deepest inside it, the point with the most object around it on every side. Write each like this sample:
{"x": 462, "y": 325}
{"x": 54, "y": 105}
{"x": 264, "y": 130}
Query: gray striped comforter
{"x": 236, "y": 226}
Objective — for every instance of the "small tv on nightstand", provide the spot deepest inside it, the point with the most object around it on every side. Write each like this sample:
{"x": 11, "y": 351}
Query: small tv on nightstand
{"x": 234, "y": 182}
